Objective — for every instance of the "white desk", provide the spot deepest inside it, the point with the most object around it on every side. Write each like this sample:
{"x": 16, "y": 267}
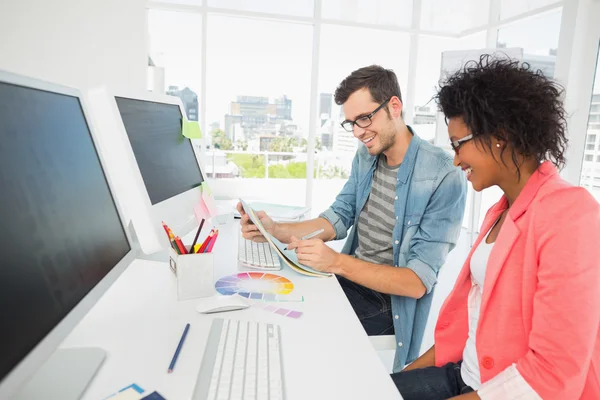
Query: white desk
{"x": 326, "y": 353}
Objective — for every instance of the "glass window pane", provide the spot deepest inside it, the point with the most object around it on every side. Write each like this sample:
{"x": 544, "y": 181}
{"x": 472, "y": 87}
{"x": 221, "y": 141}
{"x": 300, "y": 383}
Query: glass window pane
{"x": 385, "y": 12}
{"x": 301, "y": 8}
{"x": 590, "y": 171}
{"x": 537, "y": 36}
{"x": 338, "y": 58}
{"x": 178, "y": 60}
{"x": 429, "y": 63}
{"x": 453, "y": 16}
{"x": 258, "y": 93}
{"x": 510, "y": 8}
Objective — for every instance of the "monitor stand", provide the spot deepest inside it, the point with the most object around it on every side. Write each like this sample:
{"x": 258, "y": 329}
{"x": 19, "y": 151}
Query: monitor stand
{"x": 65, "y": 375}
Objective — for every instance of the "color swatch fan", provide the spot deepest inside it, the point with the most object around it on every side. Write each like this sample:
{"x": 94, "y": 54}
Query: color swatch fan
{"x": 255, "y": 285}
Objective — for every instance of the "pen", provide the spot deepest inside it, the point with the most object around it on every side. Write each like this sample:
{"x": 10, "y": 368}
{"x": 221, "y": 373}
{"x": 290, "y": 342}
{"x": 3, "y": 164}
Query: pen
{"x": 185, "y": 332}
{"x": 310, "y": 235}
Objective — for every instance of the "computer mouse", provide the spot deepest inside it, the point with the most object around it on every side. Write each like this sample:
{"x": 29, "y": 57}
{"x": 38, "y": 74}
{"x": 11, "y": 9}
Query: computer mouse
{"x": 217, "y": 304}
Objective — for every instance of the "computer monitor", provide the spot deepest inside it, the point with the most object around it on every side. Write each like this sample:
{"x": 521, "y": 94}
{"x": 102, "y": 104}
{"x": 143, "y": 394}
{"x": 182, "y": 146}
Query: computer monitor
{"x": 163, "y": 171}
{"x": 62, "y": 242}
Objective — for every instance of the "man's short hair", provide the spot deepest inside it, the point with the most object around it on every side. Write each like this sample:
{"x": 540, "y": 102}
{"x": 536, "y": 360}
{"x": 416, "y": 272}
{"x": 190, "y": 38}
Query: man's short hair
{"x": 382, "y": 84}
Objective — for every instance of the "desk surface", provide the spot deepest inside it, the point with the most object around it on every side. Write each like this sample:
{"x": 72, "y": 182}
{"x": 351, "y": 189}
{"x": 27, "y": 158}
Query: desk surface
{"x": 326, "y": 353}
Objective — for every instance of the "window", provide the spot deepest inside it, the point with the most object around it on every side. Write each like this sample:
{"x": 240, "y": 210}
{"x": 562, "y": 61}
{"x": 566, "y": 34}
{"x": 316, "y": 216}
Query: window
{"x": 511, "y": 8}
{"x": 590, "y": 146}
{"x": 303, "y": 8}
{"x": 429, "y": 63}
{"x": 180, "y": 60}
{"x": 338, "y": 58}
{"x": 257, "y": 103}
{"x": 453, "y": 16}
{"x": 590, "y": 172}
{"x": 382, "y": 12}
{"x": 175, "y": 64}
{"x": 537, "y": 36}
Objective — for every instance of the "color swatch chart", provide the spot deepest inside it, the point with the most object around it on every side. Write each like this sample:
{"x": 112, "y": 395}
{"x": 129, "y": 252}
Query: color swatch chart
{"x": 257, "y": 286}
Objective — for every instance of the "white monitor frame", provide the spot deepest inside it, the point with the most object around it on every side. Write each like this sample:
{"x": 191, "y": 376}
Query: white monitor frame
{"x": 177, "y": 211}
{"x": 35, "y": 359}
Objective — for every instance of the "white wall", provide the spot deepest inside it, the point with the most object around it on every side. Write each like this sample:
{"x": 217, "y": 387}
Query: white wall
{"x": 77, "y": 43}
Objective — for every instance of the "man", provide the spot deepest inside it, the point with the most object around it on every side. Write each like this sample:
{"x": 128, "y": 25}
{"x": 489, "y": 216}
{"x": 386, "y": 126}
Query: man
{"x": 404, "y": 201}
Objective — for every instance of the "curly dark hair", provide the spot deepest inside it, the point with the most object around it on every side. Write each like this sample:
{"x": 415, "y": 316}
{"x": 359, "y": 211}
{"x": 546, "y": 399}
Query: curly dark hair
{"x": 506, "y": 99}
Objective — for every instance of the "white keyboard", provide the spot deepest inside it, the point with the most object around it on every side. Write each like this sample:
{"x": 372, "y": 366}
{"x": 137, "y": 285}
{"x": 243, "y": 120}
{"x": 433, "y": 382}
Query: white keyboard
{"x": 241, "y": 361}
{"x": 257, "y": 255}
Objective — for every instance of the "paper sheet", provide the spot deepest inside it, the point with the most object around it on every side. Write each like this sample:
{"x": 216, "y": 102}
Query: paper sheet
{"x": 289, "y": 256}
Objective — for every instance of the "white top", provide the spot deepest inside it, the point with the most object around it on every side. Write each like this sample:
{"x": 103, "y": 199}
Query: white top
{"x": 470, "y": 366}
{"x": 508, "y": 384}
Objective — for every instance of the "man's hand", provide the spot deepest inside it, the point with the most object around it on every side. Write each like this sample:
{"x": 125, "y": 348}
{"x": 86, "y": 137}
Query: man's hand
{"x": 249, "y": 230}
{"x": 316, "y": 254}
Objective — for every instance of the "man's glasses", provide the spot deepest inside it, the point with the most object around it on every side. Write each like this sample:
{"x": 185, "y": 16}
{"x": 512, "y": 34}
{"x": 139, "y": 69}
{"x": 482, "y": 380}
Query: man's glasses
{"x": 457, "y": 143}
{"x": 364, "y": 121}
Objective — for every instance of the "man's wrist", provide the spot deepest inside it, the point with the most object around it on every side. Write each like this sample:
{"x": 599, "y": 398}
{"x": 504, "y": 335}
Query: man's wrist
{"x": 341, "y": 265}
{"x": 277, "y": 231}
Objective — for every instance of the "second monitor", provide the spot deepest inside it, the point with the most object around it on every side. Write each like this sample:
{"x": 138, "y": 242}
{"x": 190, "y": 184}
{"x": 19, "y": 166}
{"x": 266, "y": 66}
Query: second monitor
{"x": 155, "y": 165}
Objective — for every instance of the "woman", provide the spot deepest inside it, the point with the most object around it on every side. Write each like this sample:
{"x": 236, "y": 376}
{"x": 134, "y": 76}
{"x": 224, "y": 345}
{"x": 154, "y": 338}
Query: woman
{"x": 522, "y": 321}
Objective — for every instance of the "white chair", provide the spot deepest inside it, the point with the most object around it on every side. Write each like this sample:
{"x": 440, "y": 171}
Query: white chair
{"x": 385, "y": 346}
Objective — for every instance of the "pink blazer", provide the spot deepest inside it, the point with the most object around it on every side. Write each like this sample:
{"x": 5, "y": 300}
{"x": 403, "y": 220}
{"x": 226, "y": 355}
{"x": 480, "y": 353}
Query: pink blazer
{"x": 541, "y": 297}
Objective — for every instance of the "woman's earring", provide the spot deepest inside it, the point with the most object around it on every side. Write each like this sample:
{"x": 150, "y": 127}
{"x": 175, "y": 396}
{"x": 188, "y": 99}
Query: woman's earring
{"x": 498, "y": 145}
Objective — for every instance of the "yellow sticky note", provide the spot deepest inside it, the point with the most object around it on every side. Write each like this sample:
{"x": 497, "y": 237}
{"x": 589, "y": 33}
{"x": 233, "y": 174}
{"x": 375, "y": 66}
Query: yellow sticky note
{"x": 191, "y": 130}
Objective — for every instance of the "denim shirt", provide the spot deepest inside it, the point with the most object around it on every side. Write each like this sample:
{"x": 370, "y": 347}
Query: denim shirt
{"x": 429, "y": 207}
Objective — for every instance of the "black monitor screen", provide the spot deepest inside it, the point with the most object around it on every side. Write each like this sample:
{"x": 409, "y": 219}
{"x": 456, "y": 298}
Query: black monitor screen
{"x": 60, "y": 231}
{"x": 166, "y": 159}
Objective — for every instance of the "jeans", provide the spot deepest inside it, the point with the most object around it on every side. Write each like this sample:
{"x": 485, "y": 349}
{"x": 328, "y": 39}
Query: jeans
{"x": 374, "y": 309}
{"x": 431, "y": 383}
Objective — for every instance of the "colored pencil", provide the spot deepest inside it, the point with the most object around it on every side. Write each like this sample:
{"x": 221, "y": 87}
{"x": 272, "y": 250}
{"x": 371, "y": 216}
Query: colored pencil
{"x": 212, "y": 242}
{"x": 206, "y": 241}
{"x": 180, "y": 245}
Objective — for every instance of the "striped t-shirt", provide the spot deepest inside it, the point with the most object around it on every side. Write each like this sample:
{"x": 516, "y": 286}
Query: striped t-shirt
{"x": 377, "y": 219}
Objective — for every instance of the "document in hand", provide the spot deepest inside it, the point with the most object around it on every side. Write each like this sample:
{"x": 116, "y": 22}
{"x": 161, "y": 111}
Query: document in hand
{"x": 289, "y": 257}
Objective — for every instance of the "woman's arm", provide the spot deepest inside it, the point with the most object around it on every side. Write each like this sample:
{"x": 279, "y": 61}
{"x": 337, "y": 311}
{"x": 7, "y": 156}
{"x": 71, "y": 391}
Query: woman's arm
{"x": 426, "y": 360}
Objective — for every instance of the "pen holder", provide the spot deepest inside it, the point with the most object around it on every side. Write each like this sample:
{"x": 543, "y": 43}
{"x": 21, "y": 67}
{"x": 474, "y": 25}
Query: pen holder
{"x": 194, "y": 274}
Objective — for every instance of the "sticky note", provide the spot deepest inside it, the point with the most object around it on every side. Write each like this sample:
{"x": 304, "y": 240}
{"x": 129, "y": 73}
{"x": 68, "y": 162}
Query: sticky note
{"x": 201, "y": 211}
{"x": 191, "y": 129}
{"x": 205, "y": 188}
{"x": 209, "y": 202}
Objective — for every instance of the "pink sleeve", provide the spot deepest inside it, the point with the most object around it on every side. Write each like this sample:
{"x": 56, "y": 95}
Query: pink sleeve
{"x": 508, "y": 384}
{"x": 566, "y": 315}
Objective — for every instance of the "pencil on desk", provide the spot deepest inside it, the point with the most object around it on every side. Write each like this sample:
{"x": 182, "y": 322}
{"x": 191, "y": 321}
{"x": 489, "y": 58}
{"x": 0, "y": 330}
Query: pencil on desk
{"x": 174, "y": 360}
